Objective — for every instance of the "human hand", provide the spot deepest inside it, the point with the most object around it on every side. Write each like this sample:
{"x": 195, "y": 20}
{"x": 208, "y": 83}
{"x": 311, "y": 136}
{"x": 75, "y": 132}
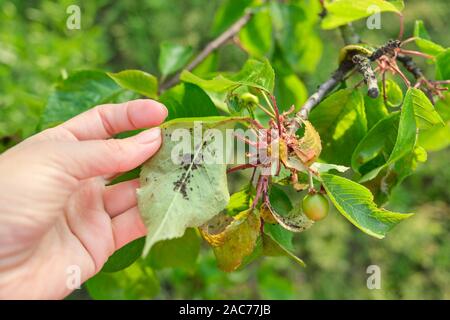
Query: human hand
{"x": 55, "y": 210}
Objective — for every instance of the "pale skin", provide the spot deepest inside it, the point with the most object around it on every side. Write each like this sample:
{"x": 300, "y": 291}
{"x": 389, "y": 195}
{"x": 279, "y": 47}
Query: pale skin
{"x": 56, "y": 210}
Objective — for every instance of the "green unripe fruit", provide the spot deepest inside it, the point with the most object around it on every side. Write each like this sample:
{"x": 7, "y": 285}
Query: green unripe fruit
{"x": 249, "y": 98}
{"x": 315, "y": 206}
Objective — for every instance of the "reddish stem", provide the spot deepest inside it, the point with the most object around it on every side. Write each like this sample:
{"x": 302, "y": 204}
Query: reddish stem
{"x": 241, "y": 167}
{"x": 402, "y": 27}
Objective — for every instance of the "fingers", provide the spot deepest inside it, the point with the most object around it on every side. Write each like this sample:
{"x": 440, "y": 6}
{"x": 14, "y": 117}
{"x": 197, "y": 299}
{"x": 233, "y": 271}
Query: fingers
{"x": 127, "y": 227}
{"x": 120, "y": 197}
{"x": 86, "y": 159}
{"x": 107, "y": 120}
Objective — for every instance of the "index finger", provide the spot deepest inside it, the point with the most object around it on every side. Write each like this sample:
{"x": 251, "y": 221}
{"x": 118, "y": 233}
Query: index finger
{"x": 107, "y": 120}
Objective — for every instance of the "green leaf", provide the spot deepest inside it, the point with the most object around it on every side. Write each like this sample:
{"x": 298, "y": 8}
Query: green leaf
{"x": 341, "y": 123}
{"x": 135, "y": 282}
{"x": 233, "y": 241}
{"x": 341, "y": 12}
{"x": 435, "y": 139}
{"x": 79, "y": 92}
{"x": 138, "y": 81}
{"x": 228, "y": 13}
{"x": 125, "y": 256}
{"x": 180, "y": 187}
{"x": 355, "y": 202}
{"x": 325, "y": 167}
{"x": 404, "y": 143}
{"x": 423, "y": 40}
{"x": 208, "y": 66}
{"x": 406, "y": 136}
{"x": 240, "y": 201}
{"x": 256, "y": 36}
{"x": 438, "y": 138}
{"x": 375, "y": 109}
{"x": 394, "y": 94}
{"x": 188, "y": 100}
{"x": 173, "y": 57}
{"x": 426, "y": 115}
{"x": 254, "y": 73}
{"x": 282, "y": 236}
{"x": 396, "y": 173}
{"x": 291, "y": 91}
{"x": 443, "y": 65}
{"x": 176, "y": 253}
{"x": 217, "y": 84}
{"x": 376, "y": 147}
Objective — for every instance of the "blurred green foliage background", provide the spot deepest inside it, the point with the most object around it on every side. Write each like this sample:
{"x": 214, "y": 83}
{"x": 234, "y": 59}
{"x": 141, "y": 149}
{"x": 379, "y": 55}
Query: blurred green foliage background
{"x": 36, "y": 49}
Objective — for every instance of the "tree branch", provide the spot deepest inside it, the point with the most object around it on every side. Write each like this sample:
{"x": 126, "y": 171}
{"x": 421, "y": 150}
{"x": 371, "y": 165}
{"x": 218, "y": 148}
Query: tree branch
{"x": 350, "y": 36}
{"x": 210, "y": 47}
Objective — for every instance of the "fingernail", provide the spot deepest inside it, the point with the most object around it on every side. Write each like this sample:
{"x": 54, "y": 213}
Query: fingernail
{"x": 163, "y": 108}
{"x": 149, "y": 136}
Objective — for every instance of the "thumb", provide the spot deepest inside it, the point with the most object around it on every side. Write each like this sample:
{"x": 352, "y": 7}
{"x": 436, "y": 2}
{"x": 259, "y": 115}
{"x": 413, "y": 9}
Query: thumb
{"x": 86, "y": 159}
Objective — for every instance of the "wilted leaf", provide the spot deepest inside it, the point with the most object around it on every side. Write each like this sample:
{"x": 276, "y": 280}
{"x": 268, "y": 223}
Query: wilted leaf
{"x": 309, "y": 147}
{"x": 375, "y": 109}
{"x": 341, "y": 12}
{"x": 235, "y": 241}
{"x": 213, "y": 230}
{"x": 289, "y": 90}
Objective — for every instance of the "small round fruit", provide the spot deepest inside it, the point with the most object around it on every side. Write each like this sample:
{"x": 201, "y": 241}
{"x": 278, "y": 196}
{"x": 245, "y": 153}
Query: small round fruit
{"x": 247, "y": 97}
{"x": 315, "y": 206}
